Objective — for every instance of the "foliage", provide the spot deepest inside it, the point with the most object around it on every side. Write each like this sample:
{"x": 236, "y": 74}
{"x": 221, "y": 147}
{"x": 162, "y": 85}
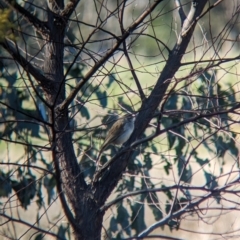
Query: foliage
{"x": 5, "y": 25}
{"x": 194, "y": 135}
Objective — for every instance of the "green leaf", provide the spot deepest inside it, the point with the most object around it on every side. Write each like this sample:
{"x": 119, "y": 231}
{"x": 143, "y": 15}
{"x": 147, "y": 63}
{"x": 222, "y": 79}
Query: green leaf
{"x": 167, "y": 167}
{"x": 102, "y": 97}
{"x": 211, "y": 182}
{"x": 153, "y": 202}
{"x": 171, "y": 139}
{"x": 40, "y": 236}
{"x": 111, "y": 78}
{"x": 154, "y": 148}
{"x": 113, "y": 225}
{"x": 61, "y": 232}
{"x": 84, "y": 112}
{"x": 178, "y": 204}
{"x": 5, "y": 185}
{"x": 186, "y": 171}
{"x": 179, "y": 146}
{"x": 49, "y": 184}
{"x": 208, "y": 146}
{"x": 137, "y": 216}
{"x": 225, "y": 143}
{"x": 168, "y": 193}
{"x": 25, "y": 190}
{"x": 220, "y": 146}
{"x": 123, "y": 219}
{"x": 202, "y": 162}
{"x": 186, "y": 105}
{"x": 173, "y": 224}
{"x": 172, "y": 102}
{"x": 167, "y": 206}
{"x": 233, "y": 148}
{"x": 147, "y": 161}
{"x": 76, "y": 71}
{"x": 11, "y": 79}
{"x": 39, "y": 200}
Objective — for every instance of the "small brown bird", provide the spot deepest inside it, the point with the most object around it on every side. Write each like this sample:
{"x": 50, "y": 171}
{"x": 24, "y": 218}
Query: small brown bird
{"x": 119, "y": 133}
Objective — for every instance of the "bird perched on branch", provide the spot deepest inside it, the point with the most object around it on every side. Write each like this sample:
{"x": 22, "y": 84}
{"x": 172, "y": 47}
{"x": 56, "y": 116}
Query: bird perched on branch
{"x": 119, "y": 133}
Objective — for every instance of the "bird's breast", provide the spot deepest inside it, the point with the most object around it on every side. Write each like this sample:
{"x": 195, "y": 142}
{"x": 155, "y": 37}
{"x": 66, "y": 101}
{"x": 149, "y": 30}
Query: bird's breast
{"x": 128, "y": 129}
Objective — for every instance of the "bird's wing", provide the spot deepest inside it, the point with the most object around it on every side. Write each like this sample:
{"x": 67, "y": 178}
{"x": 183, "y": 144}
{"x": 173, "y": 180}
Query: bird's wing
{"x": 114, "y": 132}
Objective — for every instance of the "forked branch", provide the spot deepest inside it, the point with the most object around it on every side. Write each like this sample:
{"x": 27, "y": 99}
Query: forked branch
{"x": 12, "y": 49}
{"x": 148, "y": 108}
{"x": 40, "y": 26}
{"x": 102, "y": 61}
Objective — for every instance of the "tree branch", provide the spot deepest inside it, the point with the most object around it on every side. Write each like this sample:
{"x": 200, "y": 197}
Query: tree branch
{"x": 109, "y": 53}
{"x": 68, "y": 10}
{"x": 145, "y": 191}
{"x": 25, "y": 114}
{"x": 158, "y": 236}
{"x": 140, "y": 90}
{"x": 25, "y": 144}
{"x": 180, "y": 11}
{"x": 136, "y": 143}
{"x": 63, "y": 201}
{"x": 109, "y": 180}
{"x": 30, "y": 226}
{"x": 12, "y": 49}
{"x": 185, "y": 209}
{"x": 200, "y": 16}
{"x": 46, "y": 171}
{"x": 40, "y": 26}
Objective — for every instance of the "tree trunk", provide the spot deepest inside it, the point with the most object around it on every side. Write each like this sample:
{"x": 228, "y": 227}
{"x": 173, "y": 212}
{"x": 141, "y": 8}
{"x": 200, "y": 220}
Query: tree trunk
{"x": 85, "y": 220}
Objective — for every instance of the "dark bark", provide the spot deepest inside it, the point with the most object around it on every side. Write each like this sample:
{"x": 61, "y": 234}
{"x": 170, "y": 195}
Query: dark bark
{"x": 86, "y": 201}
{"x": 112, "y": 175}
{"x": 85, "y": 221}
{"x": 38, "y": 24}
{"x": 85, "y": 216}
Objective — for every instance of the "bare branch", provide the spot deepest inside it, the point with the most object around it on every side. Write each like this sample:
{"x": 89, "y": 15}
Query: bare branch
{"x": 25, "y": 144}
{"x": 64, "y": 203}
{"x": 67, "y": 12}
{"x": 149, "y": 106}
{"x": 101, "y": 62}
{"x": 26, "y": 65}
{"x": 183, "y": 210}
{"x": 136, "y": 143}
{"x": 186, "y": 100}
{"x": 180, "y": 11}
{"x": 41, "y": 230}
{"x": 40, "y": 26}
{"x": 29, "y": 166}
{"x": 158, "y": 236}
{"x": 25, "y": 114}
{"x": 190, "y": 20}
{"x": 142, "y": 95}
{"x": 165, "y": 189}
